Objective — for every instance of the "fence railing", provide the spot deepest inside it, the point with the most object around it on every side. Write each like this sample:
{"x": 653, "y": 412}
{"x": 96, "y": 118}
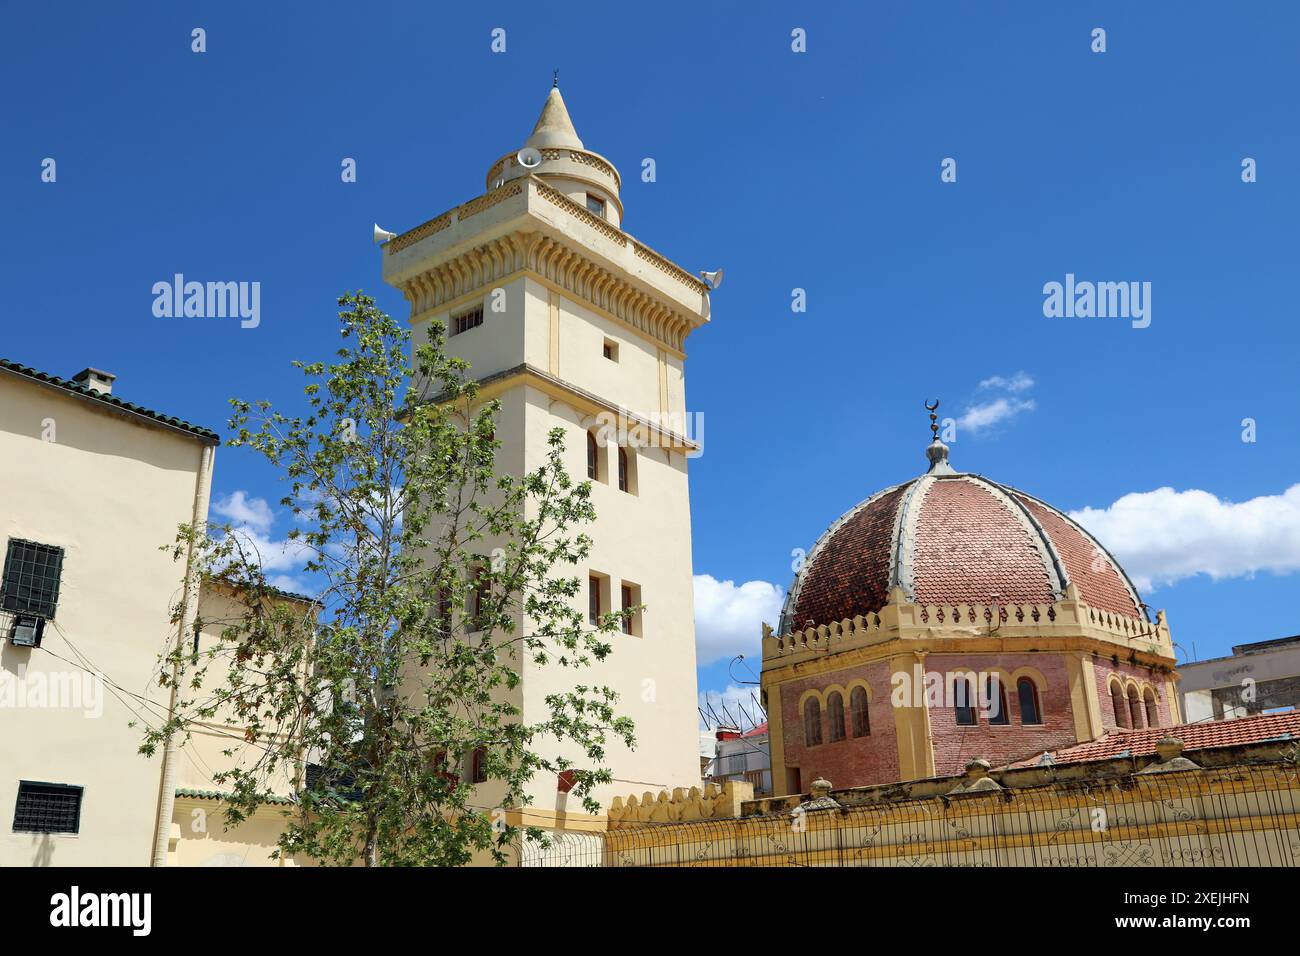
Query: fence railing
{"x": 1236, "y": 816}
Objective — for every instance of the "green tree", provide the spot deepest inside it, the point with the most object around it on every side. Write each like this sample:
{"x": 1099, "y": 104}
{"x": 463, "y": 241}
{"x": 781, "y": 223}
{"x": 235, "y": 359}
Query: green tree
{"x": 439, "y": 580}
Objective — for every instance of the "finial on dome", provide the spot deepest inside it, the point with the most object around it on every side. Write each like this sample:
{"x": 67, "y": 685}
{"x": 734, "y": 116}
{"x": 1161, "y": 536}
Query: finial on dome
{"x": 555, "y": 79}
{"x": 938, "y": 451}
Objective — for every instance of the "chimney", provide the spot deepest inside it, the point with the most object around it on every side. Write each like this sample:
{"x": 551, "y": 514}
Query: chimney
{"x": 96, "y": 380}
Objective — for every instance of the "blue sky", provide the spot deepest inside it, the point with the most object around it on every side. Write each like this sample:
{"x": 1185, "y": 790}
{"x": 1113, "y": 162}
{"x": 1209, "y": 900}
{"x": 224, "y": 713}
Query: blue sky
{"x": 816, "y": 170}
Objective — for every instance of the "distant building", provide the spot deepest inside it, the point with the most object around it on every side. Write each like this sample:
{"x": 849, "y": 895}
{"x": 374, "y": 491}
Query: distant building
{"x": 742, "y": 756}
{"x": 1256, "y": 678}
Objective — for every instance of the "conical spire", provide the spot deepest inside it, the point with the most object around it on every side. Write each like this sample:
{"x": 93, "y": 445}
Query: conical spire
{"x": 554, "y": 128}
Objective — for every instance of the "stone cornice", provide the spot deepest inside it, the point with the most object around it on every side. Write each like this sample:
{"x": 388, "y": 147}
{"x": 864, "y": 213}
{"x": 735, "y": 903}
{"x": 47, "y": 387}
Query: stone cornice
{"x": 564, "y": 265}
{"x": 650, "y": 433}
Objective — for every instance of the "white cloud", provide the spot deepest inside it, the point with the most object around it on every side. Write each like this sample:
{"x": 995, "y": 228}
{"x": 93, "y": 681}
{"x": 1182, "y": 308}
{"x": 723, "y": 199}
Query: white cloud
{"x": 252, "y": 519}
{"x": 987, "y": 414}
{"x": 996, "y": 410}
{"x": 1019, "y": 382}
{"x": 729, "y": 617}
{"x": 1163, "y": 536}
{"x": 241, "y": 510}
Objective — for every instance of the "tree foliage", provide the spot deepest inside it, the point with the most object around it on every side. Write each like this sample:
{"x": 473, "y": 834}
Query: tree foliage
{"x": 440, "y": 581}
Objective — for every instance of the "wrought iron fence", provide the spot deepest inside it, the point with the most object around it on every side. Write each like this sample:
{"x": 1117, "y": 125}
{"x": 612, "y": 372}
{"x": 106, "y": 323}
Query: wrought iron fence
{"x": 1238, "y": 816}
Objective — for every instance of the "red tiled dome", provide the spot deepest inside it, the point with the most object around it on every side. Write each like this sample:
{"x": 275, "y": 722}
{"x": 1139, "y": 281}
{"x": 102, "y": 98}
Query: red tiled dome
{"x": 949, "y": 538}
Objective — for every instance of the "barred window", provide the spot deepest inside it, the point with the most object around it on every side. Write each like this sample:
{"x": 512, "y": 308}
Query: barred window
{"x": 31, "y": 578}
{"x": 470, "y": 319}
{"x": 47, "y": 808}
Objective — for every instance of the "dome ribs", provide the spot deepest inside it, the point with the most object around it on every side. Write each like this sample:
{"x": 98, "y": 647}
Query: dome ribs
{"x": 1098, "y": 578}
{"x": 848, "y": 572}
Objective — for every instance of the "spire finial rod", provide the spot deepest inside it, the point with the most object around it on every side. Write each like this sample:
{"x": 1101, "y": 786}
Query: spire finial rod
{"x": 937, "y": 453}
{"x": 555, "y": 79}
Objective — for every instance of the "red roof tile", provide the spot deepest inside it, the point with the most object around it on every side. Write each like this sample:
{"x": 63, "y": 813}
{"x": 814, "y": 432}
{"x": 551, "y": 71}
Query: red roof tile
{"x": 1199, "y": 736}
{"x": 849, "y": 573}
{"x": 1087, "y": 565}
{"x": 970, "y": 547}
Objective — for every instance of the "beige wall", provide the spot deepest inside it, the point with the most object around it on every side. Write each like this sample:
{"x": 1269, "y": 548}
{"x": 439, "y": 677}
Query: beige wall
{"x": 110, "y": 491}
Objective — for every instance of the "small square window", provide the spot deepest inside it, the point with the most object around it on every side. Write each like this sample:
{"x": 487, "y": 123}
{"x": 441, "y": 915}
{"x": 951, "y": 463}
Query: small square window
{"x": 469, "y": 319}
{"x": 610, "y": 350}
{"x": 31, "y": 578}
{"x": 595, "y": 205}
{"x": 47, "y": 808}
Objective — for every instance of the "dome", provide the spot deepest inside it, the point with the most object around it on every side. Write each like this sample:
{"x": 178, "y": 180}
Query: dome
{"x": 950, "y": 538}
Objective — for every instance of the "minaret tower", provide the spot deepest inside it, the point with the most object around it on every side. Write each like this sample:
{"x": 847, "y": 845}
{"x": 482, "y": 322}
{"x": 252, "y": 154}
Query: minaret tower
{"x": 569, "y": 321}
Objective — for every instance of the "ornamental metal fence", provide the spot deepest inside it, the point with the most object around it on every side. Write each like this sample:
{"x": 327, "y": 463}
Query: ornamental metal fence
{"x": 1231, "y": 816}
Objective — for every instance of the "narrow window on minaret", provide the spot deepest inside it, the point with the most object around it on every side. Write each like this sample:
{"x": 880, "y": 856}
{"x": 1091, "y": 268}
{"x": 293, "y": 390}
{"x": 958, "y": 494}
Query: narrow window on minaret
{"x": 593, "y": 600}
{"x": 622, "y": 469}
{"x": 595, "y": 205}
{"x": 593, "y": 458}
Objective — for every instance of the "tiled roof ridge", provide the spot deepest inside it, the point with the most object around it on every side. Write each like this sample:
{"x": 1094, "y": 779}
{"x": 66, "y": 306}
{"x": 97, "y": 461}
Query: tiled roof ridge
{"x": 197, "y": 794}
{"x": 83, "y": 391}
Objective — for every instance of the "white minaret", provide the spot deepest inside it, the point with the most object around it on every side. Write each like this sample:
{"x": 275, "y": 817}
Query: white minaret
{"x": 571, "y": 322}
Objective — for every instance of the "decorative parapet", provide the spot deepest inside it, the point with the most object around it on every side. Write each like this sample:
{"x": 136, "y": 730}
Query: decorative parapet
{"x": 552, "y": 195}
{"x": 581, "y": 157}
{"x": 459, "y": 214}
{"x": 683, "y": 806}
{"x": 1070, "y": 617}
